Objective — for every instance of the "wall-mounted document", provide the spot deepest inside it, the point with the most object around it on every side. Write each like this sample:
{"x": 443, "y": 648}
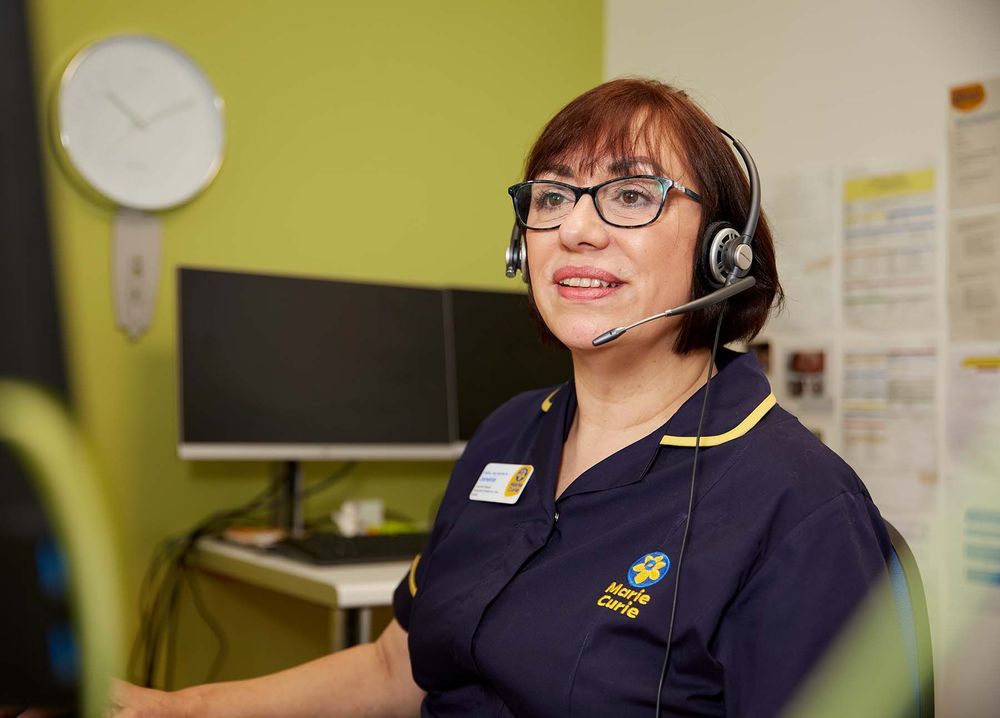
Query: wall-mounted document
{"x": 890, "y": 258}
{"x": 974, "y": 227}
{"x": 801, "y": 208}
{"x": 889, "y": 404}
{"x": 974, "y": 144}
{"x": 973, "y": 417}
{"x": 974, "y": 276}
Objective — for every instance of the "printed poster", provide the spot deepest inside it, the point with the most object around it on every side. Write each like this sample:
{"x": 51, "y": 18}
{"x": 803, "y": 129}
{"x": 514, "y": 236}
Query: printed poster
{"x": 889, "y": 255}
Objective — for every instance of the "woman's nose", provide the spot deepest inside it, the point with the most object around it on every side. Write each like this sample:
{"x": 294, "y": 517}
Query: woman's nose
{"x": 583, "y": 227}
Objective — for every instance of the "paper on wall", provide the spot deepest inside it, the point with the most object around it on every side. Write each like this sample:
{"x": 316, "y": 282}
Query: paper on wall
{"x": 973, "y": 559}
{"x": 888, "y": 424}
{"x": 974, "y": 277}
{"x": 889, "y": 253}
{"x": 800, "y": 209}
{"x": 974, "y": 236}
{"x": 974, "y": 144}
{"x": 973, "y": 419}
{"x": 973, "y": 427}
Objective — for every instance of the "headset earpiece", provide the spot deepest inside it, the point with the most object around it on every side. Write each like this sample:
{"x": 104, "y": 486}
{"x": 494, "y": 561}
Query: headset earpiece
{"x": 715, "y": 262}
{"x": 517, "y": 254}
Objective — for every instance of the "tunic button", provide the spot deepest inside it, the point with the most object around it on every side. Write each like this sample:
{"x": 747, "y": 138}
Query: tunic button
{"x": 556, "y": 517}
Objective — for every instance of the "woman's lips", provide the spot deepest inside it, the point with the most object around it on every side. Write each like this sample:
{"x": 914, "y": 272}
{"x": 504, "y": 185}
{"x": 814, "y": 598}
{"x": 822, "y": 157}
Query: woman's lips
{"x": 565, "y": 277}
{"x": 585, "y": 293}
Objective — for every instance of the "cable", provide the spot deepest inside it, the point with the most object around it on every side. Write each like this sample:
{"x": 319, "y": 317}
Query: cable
{"x": 162, "y": 588}
{"x": 151, "y": 608}
{"x": 158, "y": 587}
{"x": 220, "y": 636}
{"x": 690, "y": 509}
{"x": 162, "y": 614}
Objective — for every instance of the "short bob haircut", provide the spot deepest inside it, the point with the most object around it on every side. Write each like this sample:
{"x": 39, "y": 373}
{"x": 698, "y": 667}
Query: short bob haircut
{"x": 631, "y": 117}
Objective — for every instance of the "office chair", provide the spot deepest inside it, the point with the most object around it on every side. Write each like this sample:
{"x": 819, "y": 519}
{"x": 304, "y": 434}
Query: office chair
{"x": 37, "y": 431}
{"x": 911, "y": 605}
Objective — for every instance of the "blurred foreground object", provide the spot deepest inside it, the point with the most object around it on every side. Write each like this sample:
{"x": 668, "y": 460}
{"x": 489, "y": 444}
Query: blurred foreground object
{"x": 863, "y": 675}
{"x": 38, "y": 432}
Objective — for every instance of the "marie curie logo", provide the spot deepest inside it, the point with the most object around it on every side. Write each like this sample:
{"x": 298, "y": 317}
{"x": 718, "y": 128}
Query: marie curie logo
{"x": 648, "y": 569}
{"x": 517, "y": 481}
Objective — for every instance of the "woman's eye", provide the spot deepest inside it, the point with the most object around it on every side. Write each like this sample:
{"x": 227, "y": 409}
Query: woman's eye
{"x": 550, "y": 200}
{"x": 632, "y": 197}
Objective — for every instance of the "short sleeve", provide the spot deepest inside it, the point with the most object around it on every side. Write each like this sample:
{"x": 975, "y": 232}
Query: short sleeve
{"x": 406, "y": 590}
{"x": 402, "y": 598}
{"x": 794, "y": 605}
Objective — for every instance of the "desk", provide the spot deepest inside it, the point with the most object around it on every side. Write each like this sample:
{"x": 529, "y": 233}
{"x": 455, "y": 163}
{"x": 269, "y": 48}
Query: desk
{"x": 349, "y": 591}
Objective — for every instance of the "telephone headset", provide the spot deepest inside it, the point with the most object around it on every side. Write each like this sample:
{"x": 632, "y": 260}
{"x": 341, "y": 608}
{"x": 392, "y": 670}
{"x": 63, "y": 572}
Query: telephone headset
{"x": 724, "y": 261}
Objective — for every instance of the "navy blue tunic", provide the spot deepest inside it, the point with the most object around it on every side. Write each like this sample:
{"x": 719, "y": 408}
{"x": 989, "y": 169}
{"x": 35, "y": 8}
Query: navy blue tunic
{"x": 561, "y": 608}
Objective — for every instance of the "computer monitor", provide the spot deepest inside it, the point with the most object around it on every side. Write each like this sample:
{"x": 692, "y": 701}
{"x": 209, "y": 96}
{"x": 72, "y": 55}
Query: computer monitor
{"x": 292, "y": 369}
{"x": 498, "y": 352}
{"x": 289, "y": 368}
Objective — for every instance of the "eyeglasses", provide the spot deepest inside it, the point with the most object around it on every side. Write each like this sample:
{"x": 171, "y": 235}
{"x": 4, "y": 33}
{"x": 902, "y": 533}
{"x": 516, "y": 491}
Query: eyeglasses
{"x": 633, "y": 201}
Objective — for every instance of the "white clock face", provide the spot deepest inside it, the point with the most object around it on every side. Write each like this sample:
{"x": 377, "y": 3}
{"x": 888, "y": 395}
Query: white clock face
{"x": 140, "y": 122}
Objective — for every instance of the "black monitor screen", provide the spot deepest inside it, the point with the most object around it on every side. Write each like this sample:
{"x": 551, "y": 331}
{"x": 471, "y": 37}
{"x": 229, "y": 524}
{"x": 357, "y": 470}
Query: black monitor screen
{"x": 283, "y": 360}
{"x": 498, "y": 353}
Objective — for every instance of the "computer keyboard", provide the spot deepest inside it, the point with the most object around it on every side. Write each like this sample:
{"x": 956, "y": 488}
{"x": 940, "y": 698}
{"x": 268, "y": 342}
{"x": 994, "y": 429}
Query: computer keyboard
{"x": 331, "y": 548}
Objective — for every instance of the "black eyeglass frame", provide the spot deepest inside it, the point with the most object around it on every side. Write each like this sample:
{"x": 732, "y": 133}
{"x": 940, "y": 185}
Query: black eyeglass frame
{"x": 665, "y": 182}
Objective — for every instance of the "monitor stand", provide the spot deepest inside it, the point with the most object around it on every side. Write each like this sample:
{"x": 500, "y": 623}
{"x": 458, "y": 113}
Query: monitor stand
{"x": 289, "y": 509}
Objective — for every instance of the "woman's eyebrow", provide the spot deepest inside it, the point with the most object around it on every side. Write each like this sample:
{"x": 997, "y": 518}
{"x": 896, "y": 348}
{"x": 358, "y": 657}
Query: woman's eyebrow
{"x": 564, "y": 171}
{"x": 628, "y": 165}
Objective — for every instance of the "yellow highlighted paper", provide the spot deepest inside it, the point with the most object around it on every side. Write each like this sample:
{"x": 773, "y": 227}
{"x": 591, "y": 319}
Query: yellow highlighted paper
{"x": 891, "y": 185}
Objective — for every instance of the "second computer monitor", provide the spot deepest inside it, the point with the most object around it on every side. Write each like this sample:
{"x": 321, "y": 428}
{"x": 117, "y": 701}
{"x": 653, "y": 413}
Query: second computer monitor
{"x": 498, "y": 352}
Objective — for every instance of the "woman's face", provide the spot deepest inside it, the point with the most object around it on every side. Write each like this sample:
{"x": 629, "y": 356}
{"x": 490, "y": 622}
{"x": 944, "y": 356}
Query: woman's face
{"x": 649, "y": 267}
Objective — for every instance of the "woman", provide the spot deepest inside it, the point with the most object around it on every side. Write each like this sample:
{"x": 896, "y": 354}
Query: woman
{"x": 548, "y": 585}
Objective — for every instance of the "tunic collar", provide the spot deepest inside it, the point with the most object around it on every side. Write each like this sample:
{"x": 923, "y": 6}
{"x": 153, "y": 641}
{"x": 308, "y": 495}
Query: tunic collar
{"x": 740, "y": 396}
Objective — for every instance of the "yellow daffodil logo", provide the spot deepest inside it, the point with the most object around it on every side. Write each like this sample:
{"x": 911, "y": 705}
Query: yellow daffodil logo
{"x": 517, "y": 481}
{"x": 648, "y": 569}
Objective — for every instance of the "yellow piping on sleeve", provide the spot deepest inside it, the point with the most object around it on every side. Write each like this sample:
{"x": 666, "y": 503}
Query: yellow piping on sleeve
{"x": 736, "y": 432}
{"x": 413, "y": 575}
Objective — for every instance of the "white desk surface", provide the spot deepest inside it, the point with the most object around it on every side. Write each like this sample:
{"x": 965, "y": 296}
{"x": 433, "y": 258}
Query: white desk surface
{"x": 346, "y": 586}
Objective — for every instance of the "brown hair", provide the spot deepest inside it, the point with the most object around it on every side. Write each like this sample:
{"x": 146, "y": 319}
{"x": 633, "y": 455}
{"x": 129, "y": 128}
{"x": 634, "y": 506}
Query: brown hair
{"x": 628, "y": 117}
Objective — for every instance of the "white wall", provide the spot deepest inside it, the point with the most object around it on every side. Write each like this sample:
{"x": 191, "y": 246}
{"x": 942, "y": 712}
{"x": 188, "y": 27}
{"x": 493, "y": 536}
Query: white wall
{"x": 806, "y": 82}
{"x": 814, "y": 86}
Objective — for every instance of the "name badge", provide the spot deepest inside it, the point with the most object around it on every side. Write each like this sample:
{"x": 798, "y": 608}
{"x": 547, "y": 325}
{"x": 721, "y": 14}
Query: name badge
{"x": 501, "y": 483}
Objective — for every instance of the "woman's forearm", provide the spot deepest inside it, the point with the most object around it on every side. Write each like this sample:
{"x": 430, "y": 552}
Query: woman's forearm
{"x": 369, "y": 680}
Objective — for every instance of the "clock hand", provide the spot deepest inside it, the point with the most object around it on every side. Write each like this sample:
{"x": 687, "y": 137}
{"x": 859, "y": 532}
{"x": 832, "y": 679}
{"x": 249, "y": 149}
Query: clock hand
{"x": 170, "y": 109}
{"x": 125, "y": 109}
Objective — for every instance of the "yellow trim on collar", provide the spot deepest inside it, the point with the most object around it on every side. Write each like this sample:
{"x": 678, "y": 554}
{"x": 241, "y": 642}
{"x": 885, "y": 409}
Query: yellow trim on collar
{"x": 734, "y": 433}
{"x": 412, "y": 581}
{"x": 547, "y": 402}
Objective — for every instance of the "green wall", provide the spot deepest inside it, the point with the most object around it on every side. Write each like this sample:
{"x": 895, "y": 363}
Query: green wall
{"x": 344, "y": 121}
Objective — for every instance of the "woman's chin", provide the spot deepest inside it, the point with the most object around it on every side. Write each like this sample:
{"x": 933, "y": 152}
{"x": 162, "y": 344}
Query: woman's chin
{"x": 582, "y": 338}
{"x": 656, "y": 334}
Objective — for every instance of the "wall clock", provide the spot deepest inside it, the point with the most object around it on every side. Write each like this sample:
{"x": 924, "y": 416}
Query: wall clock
{"x": 139, "y": 126}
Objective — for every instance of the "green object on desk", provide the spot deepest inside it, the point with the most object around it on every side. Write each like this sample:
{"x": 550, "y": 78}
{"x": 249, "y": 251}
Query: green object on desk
{"x": 390, "y": 526}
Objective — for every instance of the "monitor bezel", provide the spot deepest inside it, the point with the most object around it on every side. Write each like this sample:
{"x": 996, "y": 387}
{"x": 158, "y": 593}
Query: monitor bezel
{"x": 238, "y": 451}
{"x": 320, "y": 452}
